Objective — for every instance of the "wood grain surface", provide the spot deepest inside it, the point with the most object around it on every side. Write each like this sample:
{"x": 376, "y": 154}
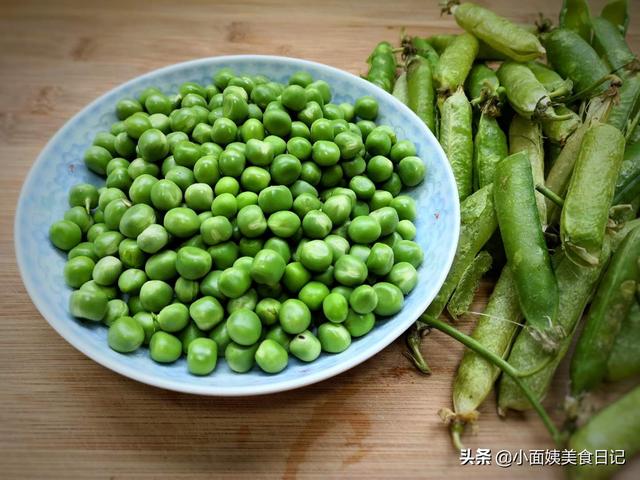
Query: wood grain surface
{"x": 63, "y": 416}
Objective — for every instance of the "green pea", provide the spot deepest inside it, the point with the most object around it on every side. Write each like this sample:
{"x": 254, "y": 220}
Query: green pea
{"x": 313, "y": 294}
{"x": 390, "y": 299}
{"x": 295, "y": 276}
{"x": 301, "y": 78}
{"x": 405, "y": 206}
{"x": 80, "y": 217}
{"x": 299, "y": 147}
{"x": 181, "y": 222}
{"x": 153, "y": 238}
{"x": 402, "y": 149}
{"x": 147, "y": 322}
{"x": 335, "y": 308}
{"x": 193, "y": 263}
{"x": 361, "y": 252}
{"x": 408, "y": 251}
{"x": 135, "y": 219}
{"x": 216, "y": 230}
{"x": 251, "y": 221}
{"x": 294, "y": 316}
{"x": 355, "y": 167}
{"x": 107, "y": 270}
{"x": 271, "y": 357}
{"x": 378, "y": 143}
{"x": 350, "y": 271}
{"x": 155, "y": 295}
{"x": 131, "y": 281}
{"x": 325, "y": 153}
{"x": 220, "y": 335}
{"x": 181, "y": 176}
{"x": 162, "y": 266}
{"x": 140, "y": 190}
{"x": 202, "y": 356}
{"x": 164, "y": 347}
{"x": 83, "y": 195}
{"x": 411, "y": 171}
{"x": 404, "y": 276}
{"x": 97, "y": 158}
{"x": 235, "y": 107}
{"x": 363, "y": 187}
{"x": 240, "y": 358}
{"x": 224, "y": 131}
{"x": 65, "y": 234}
{"x": 334, "y": 338}
{"x": 244, "y": 327}
{"x": 227, "y": 185}
{"x": 305, "y": 203}
{"x": 277, "y": 122}
{"x": 337, "y": 208}
{"x": 364, "y": 229}
{"x": 134, "y": 304}
{"x": 300, "y": 186}
{"x": 380, "y": 168}
{"x": 127, "y": 107}
{"x": 268, "y": 310}
{"x": 231, "y": 163}
{"x": 285, "y": 169}
{"x": 83, "y": 249}
{"x": 406, "y": 229}
{"x": 88, "y": 304}
{"x": 206, "y": 169}
{"x": 316, "y": 255}
{"x": 165, "y": 195}
{"x": 316, "y": 224}
{"x": 350, "y": 144}
{"x": 359, "y": 324}
{"x": 278, "y": 145}
{"x": 125, "y": 335}
{"x": 78, "y": 270}
{"x": 299, "y": 129}
{"x": 233, "y": 282}
{"x": 325, "y": 277}
{"x": 321, "y": 129}
{"x": 305, "y": 346}
{"x": 363, "y": 299}
{"x": 381, "y": 259}
{"x": 118, "y": 162}
{"x": 224, "y": 205}
{"x": 267, "y": 267}
{"x": 153, "y": 145}
{"x": 223, "y": 254}
{"x": 116, "y": 308}
{"x": 206, "y": 312}
{"x": 252, "y": 129}
{"x": 366, "y": 108}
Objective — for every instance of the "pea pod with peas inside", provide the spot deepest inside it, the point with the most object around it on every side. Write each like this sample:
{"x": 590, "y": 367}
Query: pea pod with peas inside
{"x": 420, "y": 94}
{"x": 455, "y": 63}
{"x": 549, "y": 78}
{"x": 498, "y": 32}
{"x": 611, "y": 304}
{"x": 609, "y": 42}
{"x": 586, "y": 208}
{"x": 421, "y": 47}
{"x": 627, "y": 103}
{"x": 624, "y": 360}
{"x": 382, "y": 66}
{"x": 484, "y": 90}
{"x": 525, "y": 247}
{"x": 401, "y": 88}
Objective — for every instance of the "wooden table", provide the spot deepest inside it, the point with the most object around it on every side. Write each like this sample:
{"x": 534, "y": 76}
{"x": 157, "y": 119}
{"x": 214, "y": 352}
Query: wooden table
{"x": 63, "y": 416}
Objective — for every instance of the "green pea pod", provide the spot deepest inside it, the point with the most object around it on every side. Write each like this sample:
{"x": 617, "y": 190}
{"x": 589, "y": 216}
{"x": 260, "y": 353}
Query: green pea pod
{"x": 457, "y": 141}
{"x": 420, "y": 95}
{"x": 576, "y": 285}
{"x": 382, "y": 66}
{"x": 526, "y": 136}
{"x": 524, "y": 245}
{"x": 559, "y": 131}
{"x": 469, "y": 282}
{"x": 590, "y": 193}
{"x": 400, "y": 89}
{"x": 477, "y": 224}
{"x": 624, "y": 361}
{"x": 614, "y": 428}
{"x": 610, "y": 306}
{"x": 455, "y": 63}
{"x": 498, "y": 32}
{"x": 420, "y": 46}
{"x": 574, "y": 15}
{"x": 484, "y": 90}
{"x": 490, "y": 146}
{"x": 628, "y": 100}
{"x": 616, "y": 12}
{"x": 549, "y": 78}
{"x": 495, "y": 330}
{"x": 525, "y": 93}
{"x": 572, "y": 57}
{"x": 628, "y": 183}
{"x": 609, "y": 42}
{"x": 441, "y": 41}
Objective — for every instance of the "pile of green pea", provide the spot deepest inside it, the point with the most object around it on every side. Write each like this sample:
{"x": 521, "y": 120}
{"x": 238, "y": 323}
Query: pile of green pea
{"x": 246, "y": 219}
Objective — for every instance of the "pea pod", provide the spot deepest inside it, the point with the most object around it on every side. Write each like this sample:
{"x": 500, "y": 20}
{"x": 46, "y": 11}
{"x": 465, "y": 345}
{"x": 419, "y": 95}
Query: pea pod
{"x": 457, "y": 141}
{"x": 576, "y": 285}
{"x": 616, "y": 12}
{"x": 382, "y": 66}
{"x": 624, "y": 360}
{"x": 455, "y": 63}
{"x": 400, "y": 89}
{"x": 555, "y": 85}
{"x": 609, "y": 42}
{"x": 495, "y": 330}
{"x": 420, "y": 93}
{"x": 498, "y": 32}
{"x": 490, "y": 146}
{"x": 441, "y": 41}
{"x": 628, "y": 100}
{"x": 559, "y": 131}
{"x": 610, "y": 306}
{"x": 524, "y": 245}
{"x": 628, "y": 183}
{"x": 574, "y": 15}
{"x": 590, "y": 193}
{"x": 484, "y": 90}
{"x": 572, "y": 57}
{"x": 477, "y": 224}
{"x": 614, "y": 428}
{"x": 468, "y": 285}
{"x": 525, "y": 93}
{"x": 420, "y": 46}
{"x": 526, "y": 136}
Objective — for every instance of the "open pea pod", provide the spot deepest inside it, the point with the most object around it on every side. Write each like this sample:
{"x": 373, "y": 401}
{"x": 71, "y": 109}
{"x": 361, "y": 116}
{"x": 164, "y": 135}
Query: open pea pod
{"x": 498, "y": 32}
{"x": 590, "y": 194}
{"x": 614, "y": 428}
{"x": 574, "y": 15}
{"x": 617, "y": 13}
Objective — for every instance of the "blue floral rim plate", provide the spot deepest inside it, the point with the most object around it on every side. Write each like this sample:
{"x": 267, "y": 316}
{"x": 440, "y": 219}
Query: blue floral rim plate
{"x": 60, "y": 165}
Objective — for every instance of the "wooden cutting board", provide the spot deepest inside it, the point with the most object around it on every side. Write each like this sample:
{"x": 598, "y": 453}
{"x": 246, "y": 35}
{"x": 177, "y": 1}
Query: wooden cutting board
{"x": 63, "y": 416}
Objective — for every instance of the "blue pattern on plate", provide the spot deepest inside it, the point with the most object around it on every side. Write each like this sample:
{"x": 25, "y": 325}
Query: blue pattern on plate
{"x": 44, "y": 199}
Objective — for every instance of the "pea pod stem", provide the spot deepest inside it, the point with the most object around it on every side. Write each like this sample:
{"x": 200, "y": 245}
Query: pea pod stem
{"x": 554, "y": 197}
{"x": 414, "y": 340}
{"x": 503, "y": 365}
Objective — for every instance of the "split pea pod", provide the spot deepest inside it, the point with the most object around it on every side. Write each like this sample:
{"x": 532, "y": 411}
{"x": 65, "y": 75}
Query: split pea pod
{"x": 495, "y": 330}
{"x": 525, "y": 93}
{"x": 617, "y": 13}
{"x": 455, "y": 63}
{"x": 477, "y": 224}
{"x": 590, "y": 193}
{"x": 469, "y": 282}
{"x": 611, "y": 304}
{"x": 609, "y": 42}
{"x": 457, "y": 140}
{"x": 624, "y": 361}
{"x": 382, "y": 66}
{"x": 420, "y": 94}
{"x": 526, "y": 250}
{"x": 628, "y": 183}
{"x": 628, "y": 101}
{"x": 555, "y": 85}
{"x": 614, "y": 428}
{"x": 490, "y": 146}
{"x": 526, "y": 136}
{"x": 574, "y": 15}
{"x": 559, "y": 131}
{"x": 400, "y": 89}
{"x": 572, "y": 57}
{"x": 498, "y": 32}
{"x": 576, "y": 285}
